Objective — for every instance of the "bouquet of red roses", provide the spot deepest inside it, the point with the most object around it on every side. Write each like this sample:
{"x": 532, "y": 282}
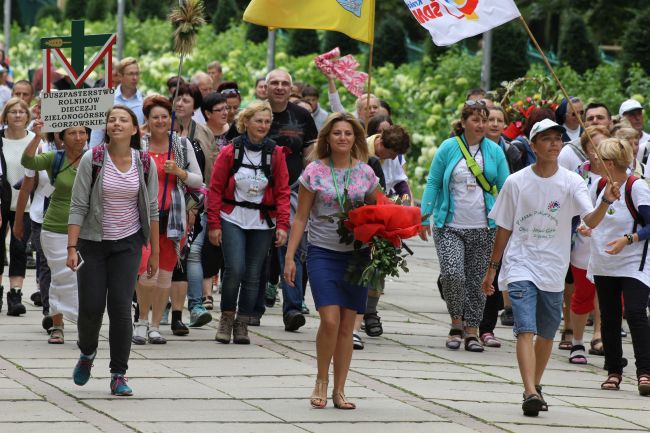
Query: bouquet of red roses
{"x": 382, "y": 226}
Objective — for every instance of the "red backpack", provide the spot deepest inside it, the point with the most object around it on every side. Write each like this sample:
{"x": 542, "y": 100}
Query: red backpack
{"x": 638, "y": 218}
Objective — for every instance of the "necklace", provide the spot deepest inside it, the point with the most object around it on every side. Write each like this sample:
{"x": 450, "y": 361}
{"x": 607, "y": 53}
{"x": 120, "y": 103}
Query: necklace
{"x": 346, "y": 183}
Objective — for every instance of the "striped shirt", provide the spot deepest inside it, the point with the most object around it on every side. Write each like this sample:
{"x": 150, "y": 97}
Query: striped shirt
{"x": 120, "y": 200}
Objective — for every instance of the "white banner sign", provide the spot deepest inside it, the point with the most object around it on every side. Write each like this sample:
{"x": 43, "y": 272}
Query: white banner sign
{"x": 450, "y": 21}
{"x": 78, "y": 107}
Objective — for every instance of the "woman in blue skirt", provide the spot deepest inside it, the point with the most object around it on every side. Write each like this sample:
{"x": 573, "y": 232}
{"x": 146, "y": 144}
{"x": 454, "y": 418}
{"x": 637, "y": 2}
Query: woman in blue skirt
{"x": 337, "y": 170}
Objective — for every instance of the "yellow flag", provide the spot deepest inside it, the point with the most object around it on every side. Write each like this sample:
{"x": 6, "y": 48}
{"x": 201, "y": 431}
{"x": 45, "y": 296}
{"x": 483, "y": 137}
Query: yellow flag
{"x": 355, "y": 18}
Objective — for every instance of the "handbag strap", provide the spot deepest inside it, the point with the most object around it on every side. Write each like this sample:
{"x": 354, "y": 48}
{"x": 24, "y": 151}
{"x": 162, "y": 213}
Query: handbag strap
{"x": 476, "y": 169}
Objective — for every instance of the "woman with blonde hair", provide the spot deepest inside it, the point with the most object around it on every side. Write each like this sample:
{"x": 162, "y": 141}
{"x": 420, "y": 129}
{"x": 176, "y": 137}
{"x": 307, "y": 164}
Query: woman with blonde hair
{"x": 618, "y": 265}
{"x": 248, "y": 203}
{"x": 14, "y": 139}
{"x": 336, "y": 174}
{"x": 583, "y": 299}
{"x": 624, "y": 131}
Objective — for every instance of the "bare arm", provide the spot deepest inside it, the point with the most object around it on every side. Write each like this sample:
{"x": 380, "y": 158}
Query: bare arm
{"x": 73, "y": 238}
{"x": 23, "y": 196}
{"x": 612, "y": 193}
{"x": 305, "y": 203}
{"x": 500, "y": 242}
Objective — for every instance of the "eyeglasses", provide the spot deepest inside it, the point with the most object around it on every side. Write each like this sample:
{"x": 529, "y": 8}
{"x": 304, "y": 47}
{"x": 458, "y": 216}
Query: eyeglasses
{"x": 230, "y": 92}
{"x": 473, "y": 103}
{"x": 218, "y": 110}
{"x": 17, "y": 113}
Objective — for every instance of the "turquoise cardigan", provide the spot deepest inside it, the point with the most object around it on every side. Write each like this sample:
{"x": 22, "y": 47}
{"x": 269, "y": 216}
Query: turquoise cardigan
{"x": 437, "y": 199}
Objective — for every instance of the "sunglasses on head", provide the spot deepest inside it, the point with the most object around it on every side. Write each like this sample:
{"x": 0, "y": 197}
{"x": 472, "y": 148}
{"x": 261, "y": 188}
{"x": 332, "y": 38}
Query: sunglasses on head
{"x": 475, "y": 103}
{"x": 230, "y": 92}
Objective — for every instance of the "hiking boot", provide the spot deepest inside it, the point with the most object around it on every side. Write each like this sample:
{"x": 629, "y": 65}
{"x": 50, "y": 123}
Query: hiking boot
{"x": 81, "y": 372}
{"x": 240, "y": 331}
{"x": 119, "y": 386}
{"x": 254, "y": 321}
{"x": 293, "y": 321}
{"x": 15, "y": 306}
{"x": 36, "y": 299}
{"x": 507, "y": 318}
{"x": 140, "y": 329}
{"x": 271, "y": 294}
{"x": 224, "y": 332}
{"x": 179, "y": 328}
{"x": 199, "y": 316}
{"x": 2, "y": 289}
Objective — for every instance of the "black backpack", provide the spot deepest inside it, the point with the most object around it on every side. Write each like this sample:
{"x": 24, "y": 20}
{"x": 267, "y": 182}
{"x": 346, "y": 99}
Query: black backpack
{"x": 267, "y": 156}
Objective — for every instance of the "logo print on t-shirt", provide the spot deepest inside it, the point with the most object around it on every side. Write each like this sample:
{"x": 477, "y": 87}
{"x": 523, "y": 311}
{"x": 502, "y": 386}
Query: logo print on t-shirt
{"x": 554, "y": 206}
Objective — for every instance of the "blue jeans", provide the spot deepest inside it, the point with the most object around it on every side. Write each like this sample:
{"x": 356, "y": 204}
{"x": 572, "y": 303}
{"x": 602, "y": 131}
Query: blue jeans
{"x": 244, "y": 252}
{"x": 195, "y": 267}
{"x": 535, "y": 311}
{"x": 292, "y": 297}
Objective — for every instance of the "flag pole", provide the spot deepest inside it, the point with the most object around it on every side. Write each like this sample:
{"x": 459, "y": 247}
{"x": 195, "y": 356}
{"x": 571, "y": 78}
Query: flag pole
{"x": 365, "y": 115}
{"x": 563, "y": 90}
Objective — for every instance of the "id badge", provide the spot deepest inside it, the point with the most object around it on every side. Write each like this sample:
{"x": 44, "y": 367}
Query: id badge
{"x": 470, "y": 182}
{"x": 254, "y": 188}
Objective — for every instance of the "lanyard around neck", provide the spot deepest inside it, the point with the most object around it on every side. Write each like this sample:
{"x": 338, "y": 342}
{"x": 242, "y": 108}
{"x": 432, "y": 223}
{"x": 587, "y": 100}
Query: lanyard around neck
{"x": 346, "y": 183}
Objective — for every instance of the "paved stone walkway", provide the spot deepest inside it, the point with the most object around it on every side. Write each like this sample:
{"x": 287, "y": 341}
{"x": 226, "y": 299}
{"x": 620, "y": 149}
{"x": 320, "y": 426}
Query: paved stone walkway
{"x": 405, "y": 381}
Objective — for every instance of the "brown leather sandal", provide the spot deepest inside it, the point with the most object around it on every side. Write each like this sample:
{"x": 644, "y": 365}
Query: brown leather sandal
{"x": 341, "y": 403}
{"x": 644, "y": 384}
{"x": 612, "y": 383}
{"x": 318, "y": 399}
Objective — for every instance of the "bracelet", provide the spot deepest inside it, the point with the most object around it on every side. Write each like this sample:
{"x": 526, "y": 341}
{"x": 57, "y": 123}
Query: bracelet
{"x": 604, "y": 200}
{"x": 630, "y": 239}
{"x": 71, "y": 246}
{"x": 494, "y": 265}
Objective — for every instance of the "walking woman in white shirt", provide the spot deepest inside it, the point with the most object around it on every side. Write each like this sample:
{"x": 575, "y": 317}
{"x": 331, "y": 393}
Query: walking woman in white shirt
{"x": 618, "y": 265}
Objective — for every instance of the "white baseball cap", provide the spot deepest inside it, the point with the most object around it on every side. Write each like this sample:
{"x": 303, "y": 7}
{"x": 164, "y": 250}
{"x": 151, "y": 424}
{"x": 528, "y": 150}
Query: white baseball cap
{"x": 545, "y": 125}
{"x": 630, "y": 105}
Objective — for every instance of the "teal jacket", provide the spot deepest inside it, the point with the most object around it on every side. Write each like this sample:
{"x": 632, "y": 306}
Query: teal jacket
{"x": 437, "y": 199}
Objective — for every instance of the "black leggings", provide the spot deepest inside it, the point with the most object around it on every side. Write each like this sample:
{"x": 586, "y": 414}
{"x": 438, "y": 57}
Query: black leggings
{"x": 17, "y": 256}
{"x": 635, "y": 295}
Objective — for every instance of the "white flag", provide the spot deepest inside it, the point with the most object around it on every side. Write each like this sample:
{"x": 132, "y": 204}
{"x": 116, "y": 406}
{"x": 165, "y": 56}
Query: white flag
{"x": 450, "y": 21}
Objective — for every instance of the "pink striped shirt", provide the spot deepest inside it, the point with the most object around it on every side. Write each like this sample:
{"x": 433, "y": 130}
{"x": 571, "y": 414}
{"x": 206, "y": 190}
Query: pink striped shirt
{"x": 120, "y": 200}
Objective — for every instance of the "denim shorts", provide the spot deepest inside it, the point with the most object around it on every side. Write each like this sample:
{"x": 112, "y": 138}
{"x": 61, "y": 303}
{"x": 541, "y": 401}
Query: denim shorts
{"x": 534, "y": 310}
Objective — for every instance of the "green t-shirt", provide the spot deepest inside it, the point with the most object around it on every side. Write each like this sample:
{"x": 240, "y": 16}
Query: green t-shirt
{"x": 56, "y": 216}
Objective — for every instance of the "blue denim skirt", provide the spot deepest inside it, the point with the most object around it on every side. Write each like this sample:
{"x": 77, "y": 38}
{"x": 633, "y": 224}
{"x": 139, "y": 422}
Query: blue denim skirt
{"x": 326, "y": 269}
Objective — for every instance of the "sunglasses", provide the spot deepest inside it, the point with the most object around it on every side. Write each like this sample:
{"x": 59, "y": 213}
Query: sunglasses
{"x": 230, "y": 92}
{"x": 475, "y": 103}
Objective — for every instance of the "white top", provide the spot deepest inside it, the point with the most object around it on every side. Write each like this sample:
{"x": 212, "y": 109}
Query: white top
{"x": 198, "y": 117}
{"x": 13, "y": 152}
{"x": 538, "y": 211}
{"x": 574, "y": 134}
{"x": 467, "y": 194}
{"x": 43, "y": 190}
{"x": 250, "y": 185}
{"x": 643, "y": 144}
{"x": 616, "y": 223}
{"x": 120, "y": 199}
{"x": 5, "y": 95}
{"x": 581, "y": 246}
{"x": 568, "y": 158}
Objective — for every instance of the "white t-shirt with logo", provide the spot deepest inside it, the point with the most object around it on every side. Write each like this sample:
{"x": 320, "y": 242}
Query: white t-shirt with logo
{"x": 250, "y": 185}
{"x": 538, "y": 211}
{"x": 467, "y": 194}
{"x": 617, "y": 222}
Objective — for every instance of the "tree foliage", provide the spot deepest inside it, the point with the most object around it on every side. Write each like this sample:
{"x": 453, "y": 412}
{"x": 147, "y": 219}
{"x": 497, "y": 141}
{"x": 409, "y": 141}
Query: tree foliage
{"x": 509, "y": 53}
{"x": 636, "y": 48}
{"x": 390, "y": 43}
{"x": 225, "y": 15}
{"x": 302, "y": 42}
{"x": 576, "y": 47}
{"x": 151, "y": 9}
{"x": 256, "y": 34}
{"x": 96, "y": 10}
{"x": 341, "y": 40}
{"x": 75, "y": 9}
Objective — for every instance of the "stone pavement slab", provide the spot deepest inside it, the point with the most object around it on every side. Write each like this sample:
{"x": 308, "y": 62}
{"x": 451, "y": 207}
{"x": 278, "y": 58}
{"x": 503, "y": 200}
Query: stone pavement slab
{"x": 405, "y": 381}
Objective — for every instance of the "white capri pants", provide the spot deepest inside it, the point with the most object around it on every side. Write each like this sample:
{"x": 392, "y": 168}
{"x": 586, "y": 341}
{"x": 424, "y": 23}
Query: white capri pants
{"x": 63, "y": 287}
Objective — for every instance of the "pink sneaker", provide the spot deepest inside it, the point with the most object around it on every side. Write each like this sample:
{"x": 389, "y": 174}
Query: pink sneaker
{"x": 488, "y": 339}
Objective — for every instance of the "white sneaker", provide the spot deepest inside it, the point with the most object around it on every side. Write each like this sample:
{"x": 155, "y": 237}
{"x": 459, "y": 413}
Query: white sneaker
{"x": 140, "y": 329}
